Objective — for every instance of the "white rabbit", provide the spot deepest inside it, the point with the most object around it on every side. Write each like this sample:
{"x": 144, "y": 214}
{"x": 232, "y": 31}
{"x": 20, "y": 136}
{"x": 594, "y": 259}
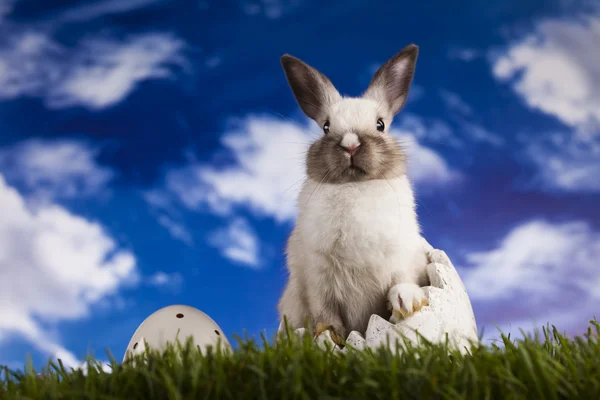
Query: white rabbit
{"x": 356, "y": 249}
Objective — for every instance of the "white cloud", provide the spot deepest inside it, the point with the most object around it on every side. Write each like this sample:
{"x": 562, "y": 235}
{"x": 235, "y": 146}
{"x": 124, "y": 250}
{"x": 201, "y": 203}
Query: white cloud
{"x": 462, "y": 113}
{"x": 556, "y": 71}
{"x": 480, "y": 134}
{"x": 100, "y": 9}
{"x": 162, "y": 278}
{"x": 6, "y": 7}
{"x": 269, "y": 156}
{"x": 570, "y": 323}
{"x": 272, "y": 9}
{"x": 96, "y": 73}
{"x": 60, "y": 168}
{"x": 238, "y": 242}
{"x": 426, "y": 167}
{"x": 160, "y": 200}
{"x": 539, "y": 270}
{"x": 269, "y": 169}
{"x": 454, "y": 102}
{"x": 564, "y": 163}
{"x": 428, "y": 130}
{"x": 464, "y": 54}
{"x": 213, "y": 62}
{"x": 54, "y": 266}
{"x": 166, "y": 280}
{"x": 86, "y": 12}
{"x": 175, "y": 229}
{"x": 167, "y": 215}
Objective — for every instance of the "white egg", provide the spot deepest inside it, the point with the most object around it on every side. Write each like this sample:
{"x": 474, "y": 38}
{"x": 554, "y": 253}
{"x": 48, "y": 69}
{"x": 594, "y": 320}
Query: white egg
{"x": 177, "y": 322}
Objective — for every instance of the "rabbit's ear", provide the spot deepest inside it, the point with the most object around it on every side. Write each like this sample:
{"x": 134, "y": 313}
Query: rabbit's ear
{"x": 314, "y": 92}
{"x": 391, "y": 82}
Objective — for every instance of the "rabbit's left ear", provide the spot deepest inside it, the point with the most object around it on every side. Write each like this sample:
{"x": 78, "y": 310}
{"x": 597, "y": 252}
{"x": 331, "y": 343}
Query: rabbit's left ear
{"x": 314, "y": 92}
{"x": 391, "y": 82}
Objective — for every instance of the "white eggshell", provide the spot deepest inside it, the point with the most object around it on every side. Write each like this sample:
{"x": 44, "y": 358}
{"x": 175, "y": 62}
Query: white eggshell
{"x": 177, "y": 322}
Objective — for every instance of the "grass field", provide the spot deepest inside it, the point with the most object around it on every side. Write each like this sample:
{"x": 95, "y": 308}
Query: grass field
{"x": 547, "y": 366}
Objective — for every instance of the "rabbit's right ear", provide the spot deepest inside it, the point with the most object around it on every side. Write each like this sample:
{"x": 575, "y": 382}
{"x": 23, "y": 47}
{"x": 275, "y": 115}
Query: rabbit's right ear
{"x": 313, "y": 90}
{"x": 391, "y": 82}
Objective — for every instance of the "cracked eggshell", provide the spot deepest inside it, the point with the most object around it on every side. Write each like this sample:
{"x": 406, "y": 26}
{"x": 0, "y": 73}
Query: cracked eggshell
{"x": 177, "y": 322}
{"x": 381, "y": 332}
{"x": 356, "y": 340}
{"x": 449, "y": 311}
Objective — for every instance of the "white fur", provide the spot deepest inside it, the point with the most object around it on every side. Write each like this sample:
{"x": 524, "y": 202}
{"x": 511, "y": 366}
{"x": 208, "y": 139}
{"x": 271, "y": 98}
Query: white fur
{"x": 351, "y": 244}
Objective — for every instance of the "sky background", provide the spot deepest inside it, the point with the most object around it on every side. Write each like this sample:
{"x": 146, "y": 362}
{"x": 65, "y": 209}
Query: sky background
{"x": 151, "y": 151}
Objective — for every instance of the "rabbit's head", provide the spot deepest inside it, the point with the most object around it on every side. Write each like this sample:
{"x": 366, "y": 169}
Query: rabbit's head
{"x": 356, "y": 144}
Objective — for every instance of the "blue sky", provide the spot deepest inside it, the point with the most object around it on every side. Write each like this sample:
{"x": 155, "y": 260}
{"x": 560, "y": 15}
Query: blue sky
{"x": 150, "y": 153}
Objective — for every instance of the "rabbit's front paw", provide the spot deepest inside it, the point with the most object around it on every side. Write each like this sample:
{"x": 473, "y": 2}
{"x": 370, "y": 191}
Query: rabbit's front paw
{"x": 405, "y": 299}
{"x": 336, "y": 336}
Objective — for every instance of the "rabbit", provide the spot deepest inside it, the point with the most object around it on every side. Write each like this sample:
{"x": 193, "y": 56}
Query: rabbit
{"x": 356, "y": 248}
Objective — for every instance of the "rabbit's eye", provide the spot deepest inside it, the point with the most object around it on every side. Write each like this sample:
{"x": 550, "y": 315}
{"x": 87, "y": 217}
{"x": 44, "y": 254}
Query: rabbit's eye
{"x": 380, "y": 125}
{"x": 326, "y": 127}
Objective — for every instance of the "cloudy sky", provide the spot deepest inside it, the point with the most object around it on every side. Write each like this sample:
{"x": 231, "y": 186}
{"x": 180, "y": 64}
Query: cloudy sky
{"x": 151, "y": 151}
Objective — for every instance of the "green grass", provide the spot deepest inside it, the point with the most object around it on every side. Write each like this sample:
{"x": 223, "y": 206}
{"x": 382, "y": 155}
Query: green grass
{"x": 546, "y": 366}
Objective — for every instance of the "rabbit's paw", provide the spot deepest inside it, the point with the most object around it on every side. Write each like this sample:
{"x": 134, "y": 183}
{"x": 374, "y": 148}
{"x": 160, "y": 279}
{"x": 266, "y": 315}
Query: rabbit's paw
{"x": 337, "y": 338}
{"x": 405, "y": 299}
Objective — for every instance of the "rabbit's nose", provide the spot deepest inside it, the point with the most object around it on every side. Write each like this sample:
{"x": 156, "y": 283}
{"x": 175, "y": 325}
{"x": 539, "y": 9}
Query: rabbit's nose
{"x": 350, "y": 142}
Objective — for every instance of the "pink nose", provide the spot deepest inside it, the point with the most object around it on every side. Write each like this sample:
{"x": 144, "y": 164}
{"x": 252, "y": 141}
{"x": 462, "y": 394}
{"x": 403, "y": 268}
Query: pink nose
{"x": 351, "y": 148}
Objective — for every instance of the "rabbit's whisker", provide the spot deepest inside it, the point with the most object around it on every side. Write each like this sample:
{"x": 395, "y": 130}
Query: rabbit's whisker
{"x": 318, "y": 185}
{"x": 297, "y": 182}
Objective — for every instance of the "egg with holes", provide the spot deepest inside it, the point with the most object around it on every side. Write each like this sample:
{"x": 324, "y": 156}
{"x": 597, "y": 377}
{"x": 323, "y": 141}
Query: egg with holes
{"x": 176, "y": 323}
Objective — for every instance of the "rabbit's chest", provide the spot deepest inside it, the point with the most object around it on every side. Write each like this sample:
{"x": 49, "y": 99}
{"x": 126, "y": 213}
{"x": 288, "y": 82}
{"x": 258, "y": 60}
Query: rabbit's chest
{"x": 363, "y": 223}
